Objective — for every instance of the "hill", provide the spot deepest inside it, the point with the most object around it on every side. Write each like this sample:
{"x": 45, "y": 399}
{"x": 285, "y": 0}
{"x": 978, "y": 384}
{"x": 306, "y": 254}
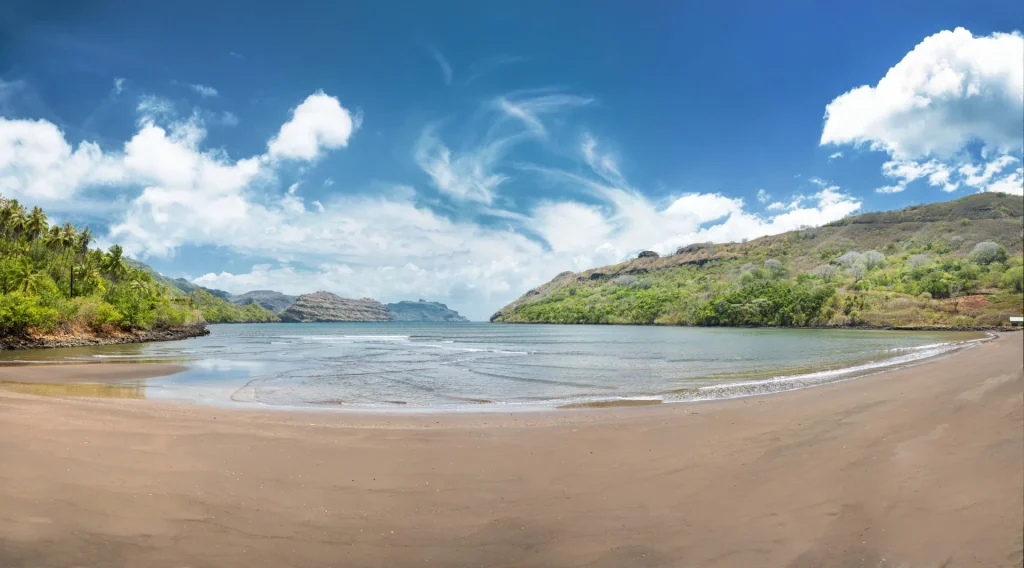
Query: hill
{"x": 952, "y": 264}
{"x": 328, "y": 307}
{"x": 55, "y": 290}
{"x": 216, "y": 306}
{"x": 423, "y": 311}
{"x": 274, "y": 302}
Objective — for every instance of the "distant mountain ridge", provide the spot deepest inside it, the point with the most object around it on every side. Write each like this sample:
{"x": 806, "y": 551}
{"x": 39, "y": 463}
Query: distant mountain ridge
{"x": 423, "y": 311}
{"x": 318, "y": 306}
{"x": 274, "y": 302}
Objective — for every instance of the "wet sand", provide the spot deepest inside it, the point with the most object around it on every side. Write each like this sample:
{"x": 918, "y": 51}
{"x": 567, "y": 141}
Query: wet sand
{"x": 97, "y": 373}
{"x": 922, "y": 466}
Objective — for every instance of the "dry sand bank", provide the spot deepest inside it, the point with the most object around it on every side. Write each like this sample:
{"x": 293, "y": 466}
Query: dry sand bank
{"x": 922, "y": 466}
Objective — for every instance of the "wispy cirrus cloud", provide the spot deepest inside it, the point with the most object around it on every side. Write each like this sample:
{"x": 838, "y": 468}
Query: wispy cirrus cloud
{"x": 446, "y": 68}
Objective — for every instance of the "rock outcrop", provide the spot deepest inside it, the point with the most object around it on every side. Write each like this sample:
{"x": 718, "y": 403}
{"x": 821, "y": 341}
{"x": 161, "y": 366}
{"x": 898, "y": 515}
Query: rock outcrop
{"x": 423, "y": 311}
{"x": 327, "y": 307}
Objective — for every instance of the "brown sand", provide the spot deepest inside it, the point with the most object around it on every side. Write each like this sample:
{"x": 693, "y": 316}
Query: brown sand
{"x": 915, "y": 467}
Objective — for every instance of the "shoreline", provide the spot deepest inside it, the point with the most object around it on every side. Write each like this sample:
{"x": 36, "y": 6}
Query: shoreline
{"x": 917, "y": 466}
{"x": 136, "y": 336}
{"x": 58, "y": 373}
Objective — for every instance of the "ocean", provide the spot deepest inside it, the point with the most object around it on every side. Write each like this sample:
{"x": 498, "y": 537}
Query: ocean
{"x": 484, "y": 367}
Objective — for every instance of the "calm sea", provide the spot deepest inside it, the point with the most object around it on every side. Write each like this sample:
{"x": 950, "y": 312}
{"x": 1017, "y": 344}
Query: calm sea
{"x": 472, "y": 366}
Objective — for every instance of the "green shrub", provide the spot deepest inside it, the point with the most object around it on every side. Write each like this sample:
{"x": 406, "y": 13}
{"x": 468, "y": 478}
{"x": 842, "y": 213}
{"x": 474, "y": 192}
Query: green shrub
{"x": 1013, "y": 279}
{"x": 20, "y": 314}
{"x": 97, "y": 314}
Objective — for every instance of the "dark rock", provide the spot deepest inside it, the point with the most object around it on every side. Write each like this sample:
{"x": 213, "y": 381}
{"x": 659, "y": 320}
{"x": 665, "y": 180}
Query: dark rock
{"x": 648, "y": 254}
{"x": 695, "y": 247}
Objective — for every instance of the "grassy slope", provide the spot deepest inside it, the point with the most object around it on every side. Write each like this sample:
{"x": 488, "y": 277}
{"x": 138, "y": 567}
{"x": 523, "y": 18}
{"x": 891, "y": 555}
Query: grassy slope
{"x": 213, "y": 304}
{"x": 728, "y": 284}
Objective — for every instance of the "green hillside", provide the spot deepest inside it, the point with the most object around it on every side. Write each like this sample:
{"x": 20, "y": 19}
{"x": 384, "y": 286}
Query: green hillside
{"x": 215, "y": 305}
{"x": 953, "y": 264}
{"x": 51, "y": 281}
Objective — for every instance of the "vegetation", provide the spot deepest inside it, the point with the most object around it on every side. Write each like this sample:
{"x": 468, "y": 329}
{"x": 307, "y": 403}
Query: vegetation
{"x": 956, "y": 264}
{"x": 52, "y": 281}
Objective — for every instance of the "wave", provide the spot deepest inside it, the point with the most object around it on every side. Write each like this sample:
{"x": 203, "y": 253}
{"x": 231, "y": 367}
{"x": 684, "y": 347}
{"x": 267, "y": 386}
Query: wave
{"x": 793, "y": 382}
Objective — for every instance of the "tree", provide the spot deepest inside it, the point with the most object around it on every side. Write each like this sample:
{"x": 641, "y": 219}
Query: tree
{"x": 114, "y": 264}
{"x": 826, "y": 272}
{"x": 918, "y": 260}
{"x": 848, "y": 259}
{"x": 987, "y": 252}
{"x": 956, "y": 289}
{"x": 871, "y": 259}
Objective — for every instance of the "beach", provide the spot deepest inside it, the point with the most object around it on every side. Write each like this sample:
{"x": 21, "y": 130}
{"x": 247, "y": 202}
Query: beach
{"x": 920, "y": 466}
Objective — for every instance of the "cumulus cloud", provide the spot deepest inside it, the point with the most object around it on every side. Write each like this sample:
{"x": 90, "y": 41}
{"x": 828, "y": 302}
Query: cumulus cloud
{"x": 952, "y": 89}
{"x": 36, "y": 161}
{"x": 951, "y": 92}
{"x": 763, "y": 196}
{"x": 118, "y": 85}
{"x": 319, "y": 123}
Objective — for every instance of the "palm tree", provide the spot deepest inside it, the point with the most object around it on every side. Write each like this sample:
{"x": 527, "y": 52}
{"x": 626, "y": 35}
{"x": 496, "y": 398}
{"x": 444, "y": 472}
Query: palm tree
{"x": 114, "y": 264}
{"x": 35, "y": 224}
{"x": 26, "y": 277}
{"x": 80, "y": 250}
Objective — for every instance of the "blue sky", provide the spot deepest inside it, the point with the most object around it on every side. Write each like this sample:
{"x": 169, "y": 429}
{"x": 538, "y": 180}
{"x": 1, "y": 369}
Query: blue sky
{"x": 467, "y": 151}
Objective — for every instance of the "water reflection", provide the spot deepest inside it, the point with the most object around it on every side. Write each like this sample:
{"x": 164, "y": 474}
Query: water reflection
{"x": 136, "y": 389}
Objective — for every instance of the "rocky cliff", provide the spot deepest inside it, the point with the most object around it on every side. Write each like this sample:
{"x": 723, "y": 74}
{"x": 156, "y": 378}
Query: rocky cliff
{"x": 423, "y": 311}
{"x": 325, "y": 306}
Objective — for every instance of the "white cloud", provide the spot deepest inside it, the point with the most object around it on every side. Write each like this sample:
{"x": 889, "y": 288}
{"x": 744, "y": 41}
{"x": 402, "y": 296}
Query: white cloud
{"x": 835, "y": 156}
{"x": 529, "y": 109}
{"x": 118, "y": 85}
{"x": 763, "y": 196}
{"x": 203, "y": 90}
{"x": 386, "y": 244}
{"x": 442, "y": 62}
{"x": 37, "y": 162}
{"x": 951, "y": 92}
{"x": 1011, "y": 183}
{"x": 319, "y": 123}
{"x": 952, "y": 89}
{"x": 467, "y": 176}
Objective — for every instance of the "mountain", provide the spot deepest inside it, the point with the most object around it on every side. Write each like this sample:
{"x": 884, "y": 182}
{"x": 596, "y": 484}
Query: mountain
{"x": 178, "y": 286}
{"x": 952, "y": 264}
{"x": 215, "y": 305}
{"x": 326, "y": 307}
{"x": 274, "y": 302}
{"x": 423, "y": 311}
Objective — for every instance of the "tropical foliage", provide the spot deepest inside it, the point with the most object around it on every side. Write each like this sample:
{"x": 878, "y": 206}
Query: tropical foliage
{"x": 51, "y": 279}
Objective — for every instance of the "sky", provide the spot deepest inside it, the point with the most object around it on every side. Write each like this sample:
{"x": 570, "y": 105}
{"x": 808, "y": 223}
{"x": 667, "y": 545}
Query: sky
{"x": 466, "y": 152}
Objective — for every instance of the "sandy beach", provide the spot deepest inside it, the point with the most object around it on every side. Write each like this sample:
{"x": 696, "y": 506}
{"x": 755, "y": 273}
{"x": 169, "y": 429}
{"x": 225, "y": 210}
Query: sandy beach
{"x": 922, "y": 466}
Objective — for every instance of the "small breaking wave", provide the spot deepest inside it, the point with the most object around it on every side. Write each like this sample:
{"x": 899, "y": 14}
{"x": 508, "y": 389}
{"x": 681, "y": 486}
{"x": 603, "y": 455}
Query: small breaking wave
{"x": 794, "y": 382}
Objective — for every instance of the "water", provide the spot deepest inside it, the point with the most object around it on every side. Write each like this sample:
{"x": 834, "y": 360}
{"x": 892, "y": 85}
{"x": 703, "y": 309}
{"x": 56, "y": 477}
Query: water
{"x": 396, "y": 366}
